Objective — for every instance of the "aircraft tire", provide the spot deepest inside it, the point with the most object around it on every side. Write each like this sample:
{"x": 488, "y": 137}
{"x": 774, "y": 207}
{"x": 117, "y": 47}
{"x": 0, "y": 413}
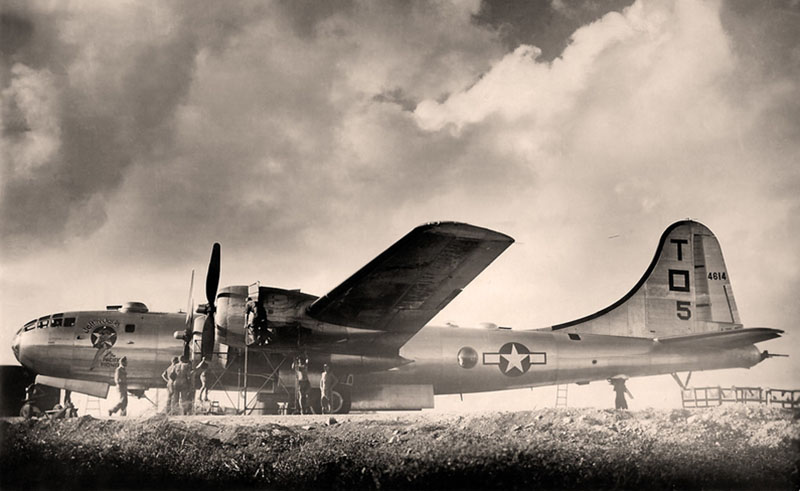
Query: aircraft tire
{"x": 339, "y": 405}
{"x": 347, "y": 401}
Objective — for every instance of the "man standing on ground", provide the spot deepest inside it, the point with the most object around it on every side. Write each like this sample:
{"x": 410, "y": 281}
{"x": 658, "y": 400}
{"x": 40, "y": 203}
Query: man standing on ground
{"x": 326, "y": 384}
{"x": 169, "y": 377}
{"x": 183, "y": 385}
{"x": 621, "y": 390}
{"x": 300, "y": 367}
{"x": 201, "y": 375}
{"x": 121, "y": 379}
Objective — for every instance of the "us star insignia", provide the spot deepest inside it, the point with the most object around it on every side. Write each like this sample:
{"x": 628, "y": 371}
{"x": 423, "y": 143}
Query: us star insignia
{"x": 514, "y": 359}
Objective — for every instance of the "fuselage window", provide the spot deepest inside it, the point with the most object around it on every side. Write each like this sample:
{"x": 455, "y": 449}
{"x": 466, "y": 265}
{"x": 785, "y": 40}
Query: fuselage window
{"x": 69, "y": 322}
{"x": 130, "y": 327}
{"x": 574, "y": 337}
{"x": 467, "y": 357}
{"x": 57, "y": 322}
{"x": 30, "y": 325}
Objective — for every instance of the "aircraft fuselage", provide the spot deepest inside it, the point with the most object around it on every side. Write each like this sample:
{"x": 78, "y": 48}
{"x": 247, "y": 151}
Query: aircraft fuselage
{"x": 447, "y": 359}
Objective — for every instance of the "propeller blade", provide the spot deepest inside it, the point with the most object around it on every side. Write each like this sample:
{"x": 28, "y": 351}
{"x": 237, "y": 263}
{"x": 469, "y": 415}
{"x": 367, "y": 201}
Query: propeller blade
{"x": 212, "y": 278}
{"x": 187, "y": 334}
{"x": 190, "y": 305}
{"x": 207, "y": 341}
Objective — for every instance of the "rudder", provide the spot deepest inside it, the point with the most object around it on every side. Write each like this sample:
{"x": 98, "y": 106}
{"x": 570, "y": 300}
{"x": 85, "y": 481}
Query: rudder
{"x": 686, "y": 289}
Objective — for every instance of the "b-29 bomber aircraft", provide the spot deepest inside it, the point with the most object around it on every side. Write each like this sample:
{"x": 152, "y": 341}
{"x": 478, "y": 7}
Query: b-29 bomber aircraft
{"x": 372, "y": 329}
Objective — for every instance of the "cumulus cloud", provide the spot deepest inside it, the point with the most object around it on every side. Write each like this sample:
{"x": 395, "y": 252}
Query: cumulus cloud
{"x": 90, "y": 91}
{"x": 282, "y": 135}
{"x": 30, "y": 117}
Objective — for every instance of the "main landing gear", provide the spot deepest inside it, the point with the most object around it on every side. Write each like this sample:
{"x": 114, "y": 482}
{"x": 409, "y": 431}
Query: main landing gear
{"x": 340, "y": 401}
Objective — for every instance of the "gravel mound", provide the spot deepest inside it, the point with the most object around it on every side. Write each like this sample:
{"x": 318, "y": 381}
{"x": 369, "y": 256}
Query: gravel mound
{"x": 734, "y": 447}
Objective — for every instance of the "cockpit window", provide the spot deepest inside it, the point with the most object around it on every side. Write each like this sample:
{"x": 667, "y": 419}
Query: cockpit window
{"x": 57, "y": 322}
{"x": 69, "y": 322}
{"x": 30, "y": 325}
{"x": 43, "y": 322}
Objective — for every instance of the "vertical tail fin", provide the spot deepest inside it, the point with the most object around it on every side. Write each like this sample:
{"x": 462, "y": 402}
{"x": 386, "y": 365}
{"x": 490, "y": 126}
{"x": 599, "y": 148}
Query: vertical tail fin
{"x": 686, "y": 289}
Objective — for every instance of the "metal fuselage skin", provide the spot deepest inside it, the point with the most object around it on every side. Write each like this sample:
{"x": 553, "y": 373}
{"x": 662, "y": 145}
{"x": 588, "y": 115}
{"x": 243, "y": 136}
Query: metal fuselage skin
{"x": 80, "y": 352}
{"x": 449, "y": 359}
{"x": 508, "y": 358}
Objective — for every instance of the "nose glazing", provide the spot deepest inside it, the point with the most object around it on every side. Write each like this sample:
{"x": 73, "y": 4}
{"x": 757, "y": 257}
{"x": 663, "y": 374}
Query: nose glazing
{"x": 15, "y": 345}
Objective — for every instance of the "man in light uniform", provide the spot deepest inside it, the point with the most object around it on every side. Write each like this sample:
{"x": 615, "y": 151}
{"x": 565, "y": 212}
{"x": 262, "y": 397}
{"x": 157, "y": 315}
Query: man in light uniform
{"x": 326, "y": 384}
{"x": 121, "y": 379}
{"x": 250, "y": 314}
{"x": 201, "y": 376}
{"x": 169, "y": 377}
{"x": 300, "y": 367}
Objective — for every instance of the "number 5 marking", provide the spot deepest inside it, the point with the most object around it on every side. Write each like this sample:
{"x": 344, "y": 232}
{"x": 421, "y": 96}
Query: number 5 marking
{"x": 684, "y": 313}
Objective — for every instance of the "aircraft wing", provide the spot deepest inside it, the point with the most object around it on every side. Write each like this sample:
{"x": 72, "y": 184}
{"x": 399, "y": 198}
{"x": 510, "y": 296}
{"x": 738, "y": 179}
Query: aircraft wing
{"x": 723, "y": 339}
{"x": 408, "y": 284}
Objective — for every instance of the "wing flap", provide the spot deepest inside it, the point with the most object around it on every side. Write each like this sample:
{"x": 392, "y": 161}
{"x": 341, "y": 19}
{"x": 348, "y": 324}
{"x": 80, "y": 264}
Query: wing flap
{"x": 409, "y": 283}
{"x": 724, "y": 339}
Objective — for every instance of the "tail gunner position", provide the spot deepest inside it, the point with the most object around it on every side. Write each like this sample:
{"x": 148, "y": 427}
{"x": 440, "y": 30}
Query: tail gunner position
{"x": 680, "y": 316}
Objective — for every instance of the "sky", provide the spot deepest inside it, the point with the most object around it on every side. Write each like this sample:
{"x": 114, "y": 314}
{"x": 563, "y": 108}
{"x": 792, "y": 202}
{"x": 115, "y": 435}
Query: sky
{"x": 307, "y": 137}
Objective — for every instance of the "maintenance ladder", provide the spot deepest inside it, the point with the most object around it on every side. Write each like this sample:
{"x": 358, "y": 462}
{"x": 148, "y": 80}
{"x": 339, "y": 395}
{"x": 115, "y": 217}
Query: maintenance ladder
{"x": 92, "y": 404}
{"x": 561, "y": 395}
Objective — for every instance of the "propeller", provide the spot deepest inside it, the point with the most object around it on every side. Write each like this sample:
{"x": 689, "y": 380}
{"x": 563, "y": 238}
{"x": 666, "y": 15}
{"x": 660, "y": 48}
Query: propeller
{"x": 187, "y": 335}
{"x": 212, "y": 283}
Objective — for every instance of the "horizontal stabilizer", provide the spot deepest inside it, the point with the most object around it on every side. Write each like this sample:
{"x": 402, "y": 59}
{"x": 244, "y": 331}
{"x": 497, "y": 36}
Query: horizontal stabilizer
{"x": 725, "y": 339}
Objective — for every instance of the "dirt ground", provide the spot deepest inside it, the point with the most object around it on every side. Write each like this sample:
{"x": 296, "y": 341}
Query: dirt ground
{"x": 744, "y": 447}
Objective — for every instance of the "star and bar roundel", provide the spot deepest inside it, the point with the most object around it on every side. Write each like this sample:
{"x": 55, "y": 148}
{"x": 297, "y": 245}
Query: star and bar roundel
{"x": 514, "y": 359}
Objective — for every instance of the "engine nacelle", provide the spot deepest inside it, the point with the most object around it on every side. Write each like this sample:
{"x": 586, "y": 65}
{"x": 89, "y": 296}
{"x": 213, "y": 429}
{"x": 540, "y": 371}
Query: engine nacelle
{"x": 281, "y": 309}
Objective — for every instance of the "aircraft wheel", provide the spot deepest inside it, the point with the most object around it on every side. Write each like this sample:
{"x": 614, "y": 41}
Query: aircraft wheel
{"x": 341, "y": 401}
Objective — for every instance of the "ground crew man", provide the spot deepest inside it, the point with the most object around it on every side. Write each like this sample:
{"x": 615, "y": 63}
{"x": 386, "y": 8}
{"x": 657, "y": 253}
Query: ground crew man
{"x": 169, "y": 377}
{"x": 250, "y": 314}
{"x": 621, "y": 390}
{"x": 121, "y": 379}
{"x": 326, "y": 384}
{"x": 300, "y": 367}
{"x": 183, "y": 385}
{"x": 201, "y": 375}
